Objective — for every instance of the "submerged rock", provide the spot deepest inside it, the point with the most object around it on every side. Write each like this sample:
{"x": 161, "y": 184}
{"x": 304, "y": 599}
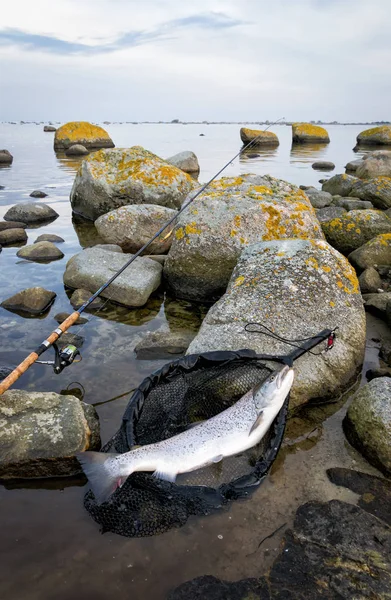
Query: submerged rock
{"x": 133, "y": 226}
{"x": 353, "y": 229}
{"x": 376, "y": 190}
{"x": 109, "y": 179}
{"x": 6, "y": 157}
{"x": 84, "y": 133}
{"x": 339, "y": 185}
{"x": 60, "y": 318}
{"x": 38, "y": 194}
{"x": 31, "y": 212}
{"x": 231, "y": 214}
{"x": 369, "y": 281}
{"x": 76, "y": 150}
{"x": 323, "y": 165}
{"x": 263, "y": 138}
{"x": 296, "y": 288}
{"x": 12, "y": 225}
{"x": 40, "y": 252}
{"x": 12, "y": 236}
{"x": 375, "y": 136}
{"x": 368, "y": 423}
{"x": 307, "y": 133}
{"x": 49, "y": 237}
{"x": 80, "y": 297}
{"x": 163, "y": 344}
{"x": 375, "y": 252}
{"x": 34, "y": 301}
{"x": 41, "y": 432}
{"x": 376, "y": 164}
{"x": 186, "y": 161}
{"x": 92, "y": 267}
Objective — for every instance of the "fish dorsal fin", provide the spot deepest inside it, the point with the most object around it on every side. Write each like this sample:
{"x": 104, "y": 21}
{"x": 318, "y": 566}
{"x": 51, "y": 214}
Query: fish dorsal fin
{"x": 257, "y": 422}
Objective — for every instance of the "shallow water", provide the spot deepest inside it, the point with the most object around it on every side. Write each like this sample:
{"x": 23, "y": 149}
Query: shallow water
{"x": 50, "y": 547}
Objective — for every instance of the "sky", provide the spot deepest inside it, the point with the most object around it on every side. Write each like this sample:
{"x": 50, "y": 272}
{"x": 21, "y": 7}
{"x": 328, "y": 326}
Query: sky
{"x": 217, "y": 60}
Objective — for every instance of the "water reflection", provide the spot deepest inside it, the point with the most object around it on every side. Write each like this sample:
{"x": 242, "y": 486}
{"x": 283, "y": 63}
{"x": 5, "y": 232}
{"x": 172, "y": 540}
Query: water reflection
{"x": 86, "y": 232}
{"x": 71, "y": 164}
{"x": 305, "y": 153}
{"x": 258, "y": 154}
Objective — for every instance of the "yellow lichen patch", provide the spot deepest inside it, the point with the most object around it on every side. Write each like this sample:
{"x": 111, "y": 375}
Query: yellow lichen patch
{"x": 382, "y": 131}
{"x": 237, "y": 221}
{"x": 309, "y": 130}
{"x": 81, "y": 132}
{"x": 179, "y": 234}
{"x": 260, "y": 189}
{"x": 233, "y": 232}
{"x": 280, "y": 254}
{"x": 239, "y": 281}
{"x": 312, "y": 262}
{"x": 339, "y": 283}
{"x": 326, "y": 269}
{"x": 261, "y": 136}
{"x": 332, "y": 304}
{"x": 191, "y": 228}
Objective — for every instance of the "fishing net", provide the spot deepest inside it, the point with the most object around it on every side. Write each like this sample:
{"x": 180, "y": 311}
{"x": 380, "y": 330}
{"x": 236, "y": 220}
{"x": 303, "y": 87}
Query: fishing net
{"x": 179, "y": 395}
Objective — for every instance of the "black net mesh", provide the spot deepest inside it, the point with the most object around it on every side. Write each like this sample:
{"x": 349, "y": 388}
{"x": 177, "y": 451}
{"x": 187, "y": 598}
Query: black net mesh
{"x": 174, "y": 398}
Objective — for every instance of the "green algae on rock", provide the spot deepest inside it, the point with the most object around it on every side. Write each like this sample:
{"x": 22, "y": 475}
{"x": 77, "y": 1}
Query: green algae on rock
{"x": 303, "y": 133}
{"x": 84, "y": 133}
{"x": 108, "y": 179}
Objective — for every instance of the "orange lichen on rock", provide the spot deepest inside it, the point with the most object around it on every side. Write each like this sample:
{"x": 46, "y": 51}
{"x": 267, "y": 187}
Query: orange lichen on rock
{"x": 307, "y": 132}
{"x": 81, "y": 132}
{"x": 262, "y": 137}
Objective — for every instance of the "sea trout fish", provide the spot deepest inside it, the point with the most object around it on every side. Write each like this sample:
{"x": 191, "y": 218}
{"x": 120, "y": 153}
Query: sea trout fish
{"x": 236, "y": 429}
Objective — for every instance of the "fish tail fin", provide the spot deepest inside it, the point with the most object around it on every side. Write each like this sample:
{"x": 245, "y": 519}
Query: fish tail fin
{"x": 102, "y": 472}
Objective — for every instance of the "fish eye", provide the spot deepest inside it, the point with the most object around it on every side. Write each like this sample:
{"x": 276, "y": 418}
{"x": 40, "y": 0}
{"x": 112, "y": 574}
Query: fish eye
{"x": 272, "y": 378}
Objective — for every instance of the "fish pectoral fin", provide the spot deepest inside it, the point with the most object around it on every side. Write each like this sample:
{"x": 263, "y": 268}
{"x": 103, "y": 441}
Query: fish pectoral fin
{"x": 165, "y": 475}
{"x": 257, "y": 422}
{"x": 217, "y": 458}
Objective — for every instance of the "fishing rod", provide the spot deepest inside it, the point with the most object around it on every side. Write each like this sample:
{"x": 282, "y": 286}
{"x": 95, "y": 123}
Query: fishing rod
{"x": 67, "y": 355}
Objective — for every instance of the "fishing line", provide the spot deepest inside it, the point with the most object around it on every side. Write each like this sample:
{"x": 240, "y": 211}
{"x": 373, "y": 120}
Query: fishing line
{"x": 290, "y": 342}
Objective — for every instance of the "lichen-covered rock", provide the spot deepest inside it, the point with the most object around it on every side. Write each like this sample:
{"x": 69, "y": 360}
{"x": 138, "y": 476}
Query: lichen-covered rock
{"x": 352, "y": 203}
{"x": 353, "y": 229}
{"x": 375, "y": 136}
{"x": 133, "y": 226}
{"x": 41, "y": 432}
{"x": 339, "y": 185}
{"x": 307, "y": 133}
{"x": 263, "y": 138}
{"x": 368, "y": 423}
{"x": 76, "y": 150}
{"x": 109, "y": 179}
{"x": 31, "y": 212}
{"x": 318, "y": 198}
{"x": 186, "y": 161}
{"x": 329, "y": 212}
{"x": 296, "y": 288}
{"x": 84, "y": 133}
{"x": 369, "y": 281}
{"x": 376, "y": 190}
{"x": 12, "y": 236}
{"x": 40, "y": 252}
{"x": 323, "y": 165}
{"x": 6, "y": 157}
{"x": 92, "y": 267}
{"x": 34, "y": 301}
{"x": 376, "y": 164}
{"x": 375, "y": 252}
{"x": 353, "y": 165}
{"x": 231, "y": 214}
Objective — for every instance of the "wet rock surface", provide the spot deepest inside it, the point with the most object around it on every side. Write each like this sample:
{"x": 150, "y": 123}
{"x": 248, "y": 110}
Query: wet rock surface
{"x": 35, "y": 301}
{"x": 12, "y": 236}
{"x": 12, "y": 225}
{"x": 49, "y": 237}
{"x": 60, "y": 317}
{"x": 163, "y": 344}
{"x": 367, "y": 424}
{"x": 41, "y": 432}
{"x": 40, "y": 252}
{"x": 31, "y": 212}
{"x": 354, "y": 228}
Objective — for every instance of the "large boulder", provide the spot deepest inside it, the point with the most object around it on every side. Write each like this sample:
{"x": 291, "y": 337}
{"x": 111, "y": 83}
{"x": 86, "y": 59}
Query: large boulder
{"x": 263, "y": 138}
{"x": 231, "y": 214}
{"x": 40, "y": 252}
{"x": 375, "y": 136}
{"x": 84, "y": 133}
{"x": 34, "y": 301}
{"x": 31, "y": 212}
{"x": 368, "y": 422}
{"x": 375, "y": 164}
{"x": 375, "y": 252}
{"x": 306, "y": 133}
{"x": 353, "y": 229}
{"x": 296, "y": 288}
{"x": 339, "y": 185}
{"x": 41, "y": 432}
{"x": 109, "y": 179}
{"x": 92, "y": 267}
{"x": 132, "y": 226}
{"x": 12, "y": 236}
{"x": 186, "y": 161}
{"x": 376, "y": 190}
{"x": 6, "y": 157}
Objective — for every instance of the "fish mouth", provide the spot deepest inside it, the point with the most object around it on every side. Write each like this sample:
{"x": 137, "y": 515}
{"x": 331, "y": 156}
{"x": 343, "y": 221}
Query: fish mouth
{"x": 282, "y": 375}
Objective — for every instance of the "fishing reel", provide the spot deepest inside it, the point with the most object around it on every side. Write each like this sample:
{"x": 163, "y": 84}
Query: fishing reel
{"x": 63, "y": 357}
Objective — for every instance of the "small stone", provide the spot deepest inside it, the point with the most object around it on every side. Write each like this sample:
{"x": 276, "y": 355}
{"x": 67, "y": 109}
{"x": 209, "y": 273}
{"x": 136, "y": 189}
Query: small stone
{"x": 377, "y": 303}
{"x": 353, "y": 165}
{"x": 323, "y": 165}
{"x": 76, "y": 150}
{"x": 40, "y": 252}
{"x": 49, "y": 237}
{"x": 318, "y": 198}
{"x": 38, "y": 194}
{"x": 34, "y": 300}
{"x": 339, "y": 184}
{"x": 80, "y": 296}
{"x": 375, "y": 252}
{"x": 31, "y": 212}
{"x": 48, "y": 128}
{"x": 12, "y": 236}
{"x": 12, "y": 225}
{"x": 369, "y": 281}
{"x": 6, "y": 157}
{"x": 60, "y": 318}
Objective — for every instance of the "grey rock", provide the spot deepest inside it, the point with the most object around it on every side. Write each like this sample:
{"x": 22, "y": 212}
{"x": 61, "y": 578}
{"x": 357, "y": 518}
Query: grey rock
{"x": 296, "y": 288}
{"x": 40, "y": 252}
{"x": 160, "y": 258}
{"x": 41, "y": 432}
{"x": 376, "y": 190}
{"x": 369, "y": 281}
{"x": 30, "y": 212}
{"x": 60, "y": 318}
{"x": 367, "y": 423}
{"x": 354, "y": 228}
{"x": 376, "y": 164}
{"x": 339, "y": 185}
{"x": 109, "y": 247}
{"x": 12, "y": 236}
{"x": 12, "y": 225}
{"x": 49, "y": 237}
{"x": 38, "y": 194}
{"x": 109, "y": 179}
{"x": 375, "y": 252}
{"x": 131, "y": 227}
{"x": 385, "y": 349}
{"x": 323, "y": 165}
{"x": 80, "y": 296}
{"x": 377, "y": 303}
{"x": 49, "y": 128}
{"x": 329, "y": 213}
{"x": 352, "y": 203}
{"x": 76, "y": 150}
{"x": 318, "y": 198}
{"x": 186, "y": 161}
{"x": 34, "y": 301}
{"x": 353, "y": 165}
{"x": 92, "y": 267}
{"x": 231, "y": 214}
{"x": 6, "y": 157}
{"x": 163, "y": 344}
